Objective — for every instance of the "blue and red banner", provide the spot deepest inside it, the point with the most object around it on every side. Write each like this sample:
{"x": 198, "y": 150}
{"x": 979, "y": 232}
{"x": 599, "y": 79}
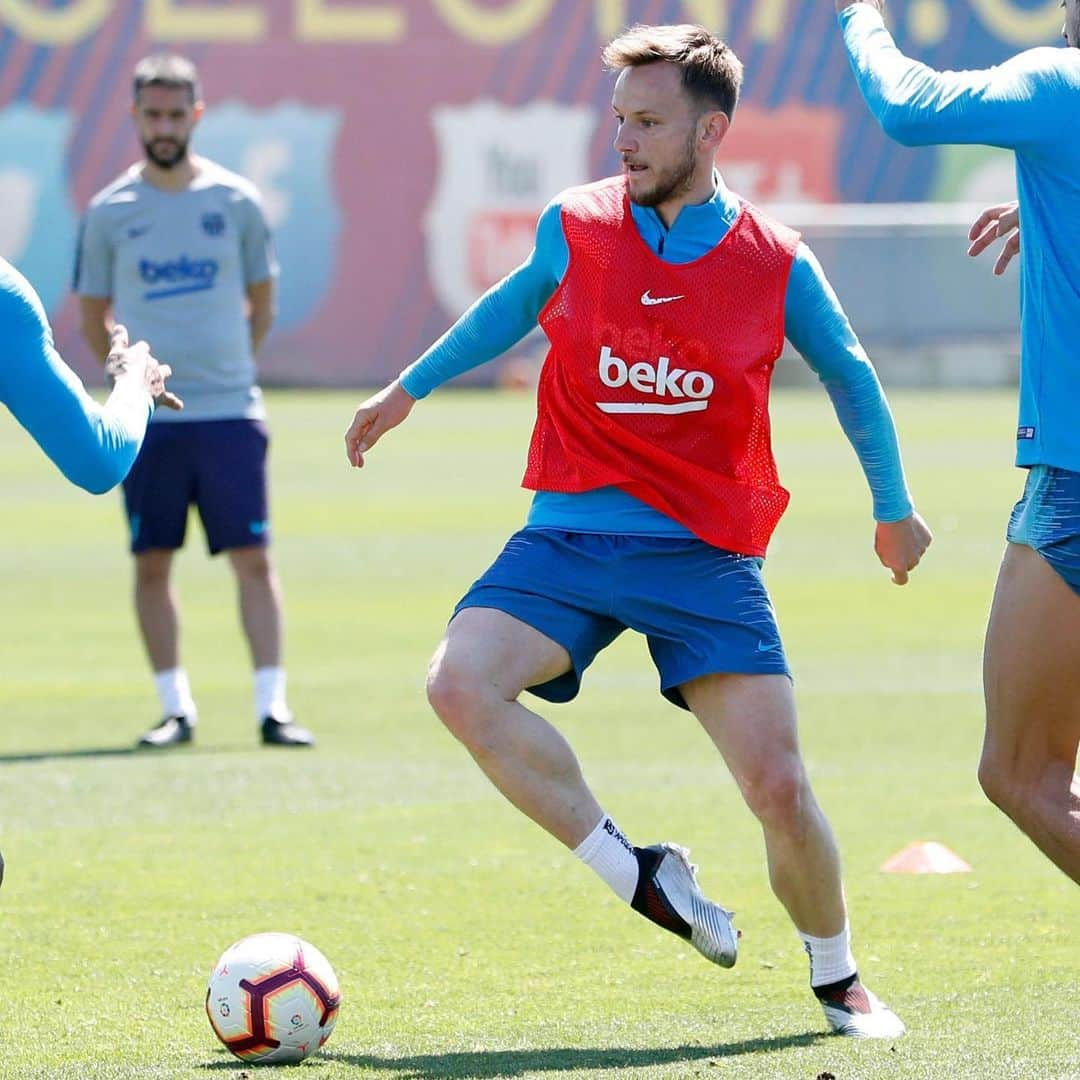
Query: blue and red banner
{"x": 405, "y": 147}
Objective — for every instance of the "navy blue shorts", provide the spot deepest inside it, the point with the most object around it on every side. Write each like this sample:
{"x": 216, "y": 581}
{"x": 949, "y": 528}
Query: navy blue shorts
{"x": 703, "y": 611}
{"x": 219, "y": 465}
{"x": 1047, "y": 518}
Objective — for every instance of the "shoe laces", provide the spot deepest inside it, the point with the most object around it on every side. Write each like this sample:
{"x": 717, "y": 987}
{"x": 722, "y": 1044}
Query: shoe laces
{"x": 682, "y": 854}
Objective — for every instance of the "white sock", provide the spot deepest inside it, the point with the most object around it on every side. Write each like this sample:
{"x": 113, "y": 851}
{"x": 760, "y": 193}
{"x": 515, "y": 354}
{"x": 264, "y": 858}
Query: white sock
{"x": 612, "y": 856}
{"x": 174, "y": 692}
{"x": 830, "y": 958}
{"x": 270, "y": 694}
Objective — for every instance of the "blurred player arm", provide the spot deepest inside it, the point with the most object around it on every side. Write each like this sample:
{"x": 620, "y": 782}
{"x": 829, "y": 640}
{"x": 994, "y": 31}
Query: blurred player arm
{"x": 1001, "y": 222}
{"x": 260, "y": 267}
{"x": 96, "y": 323}
{"x": 262, "y": 307}
{"x": 92, "y": 445}
{"x": 93, "y": 282}
{"x": 918, "y": 106}
{"x": 817, "y": 326}
{"x": 496, "y": 321}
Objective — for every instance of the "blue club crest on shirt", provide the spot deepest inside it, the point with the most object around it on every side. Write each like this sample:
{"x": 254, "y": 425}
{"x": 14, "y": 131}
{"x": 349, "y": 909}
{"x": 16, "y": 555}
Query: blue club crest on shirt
{"x": 213, "y": 223}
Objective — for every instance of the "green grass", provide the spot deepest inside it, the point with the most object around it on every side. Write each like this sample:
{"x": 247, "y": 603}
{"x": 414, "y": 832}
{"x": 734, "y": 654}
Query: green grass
{"x": 468, "y": 943}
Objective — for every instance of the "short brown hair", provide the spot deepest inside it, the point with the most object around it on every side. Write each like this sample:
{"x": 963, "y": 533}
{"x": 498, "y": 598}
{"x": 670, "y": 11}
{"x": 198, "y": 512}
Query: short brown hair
{"x": 711, "y": 72}
{"x": 168, "y": 70}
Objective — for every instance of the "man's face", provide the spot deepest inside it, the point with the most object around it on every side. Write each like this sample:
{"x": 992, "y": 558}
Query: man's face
{"x": 657, "y": 136}
{"x": 164, "y": 119}
{"x": 1071, "y": 30}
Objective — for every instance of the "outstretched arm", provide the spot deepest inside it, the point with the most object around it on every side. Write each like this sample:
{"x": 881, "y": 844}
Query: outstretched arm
{"x": 93, "y": 445}
{"x": 817, "y": 326}
{"x": 498, "y": 320}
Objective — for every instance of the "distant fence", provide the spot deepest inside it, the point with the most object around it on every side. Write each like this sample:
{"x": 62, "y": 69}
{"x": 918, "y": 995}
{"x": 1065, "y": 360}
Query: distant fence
{"x": 927, "y": 313}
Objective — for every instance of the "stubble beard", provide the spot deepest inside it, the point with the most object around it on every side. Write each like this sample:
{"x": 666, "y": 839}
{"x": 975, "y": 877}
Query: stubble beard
{"x": 675, "y": 181}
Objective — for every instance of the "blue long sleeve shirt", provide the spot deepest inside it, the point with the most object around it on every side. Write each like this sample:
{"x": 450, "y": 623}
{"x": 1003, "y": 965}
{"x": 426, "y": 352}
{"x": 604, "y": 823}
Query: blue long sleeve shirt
{"x": 93, "y": 446}
{"x": 1030, "y": 104}
{"x": 814, "y": 323}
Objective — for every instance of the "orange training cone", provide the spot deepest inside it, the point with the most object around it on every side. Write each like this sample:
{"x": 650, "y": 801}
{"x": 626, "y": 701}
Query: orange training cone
{"x": 925, "y": 857}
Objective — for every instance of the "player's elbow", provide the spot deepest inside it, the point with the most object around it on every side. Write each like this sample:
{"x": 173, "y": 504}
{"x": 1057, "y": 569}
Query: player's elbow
{"x": 100, "y": 464}
{"x": 900, "y": 125}
{"x": 98, "y": 476}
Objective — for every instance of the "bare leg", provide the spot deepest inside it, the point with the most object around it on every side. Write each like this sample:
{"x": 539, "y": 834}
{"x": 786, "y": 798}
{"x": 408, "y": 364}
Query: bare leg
{"x": 1031, "y": 677}
{"x": 157, "y": 608}
{"x": 751, "y": 719}
{"x": 260, "y": 604}
{"x": 482, "y": 665}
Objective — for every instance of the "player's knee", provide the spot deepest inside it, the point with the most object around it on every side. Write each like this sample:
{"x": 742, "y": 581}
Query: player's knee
{"x": 1002, "y": 784}
{"x": 152, "y": 569}
{"x": 253, "y": 564}
{"x": 777, "y": 794}
{"x": 455, "y": 693}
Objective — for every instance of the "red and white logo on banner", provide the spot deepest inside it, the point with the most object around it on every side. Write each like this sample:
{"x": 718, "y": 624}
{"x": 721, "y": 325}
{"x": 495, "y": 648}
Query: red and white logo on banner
{"x": 496, "y": 172}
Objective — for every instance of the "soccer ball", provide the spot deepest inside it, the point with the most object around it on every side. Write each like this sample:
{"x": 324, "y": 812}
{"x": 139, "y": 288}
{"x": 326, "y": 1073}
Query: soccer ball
{"x": 272, "y": 999}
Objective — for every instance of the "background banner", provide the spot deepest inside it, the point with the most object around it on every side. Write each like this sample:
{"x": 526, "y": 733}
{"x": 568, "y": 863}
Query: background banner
{"x": 404, "y": 148}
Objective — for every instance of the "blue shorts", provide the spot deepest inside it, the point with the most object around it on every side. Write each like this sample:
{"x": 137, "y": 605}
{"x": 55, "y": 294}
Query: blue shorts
{"x": 219, "y": 465}
{"x": 703, "y": 611}
{"x": 1047, "y": 518}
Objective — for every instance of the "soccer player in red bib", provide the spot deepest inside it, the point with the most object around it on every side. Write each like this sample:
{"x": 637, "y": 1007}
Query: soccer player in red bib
{"x": 666, "y": 300}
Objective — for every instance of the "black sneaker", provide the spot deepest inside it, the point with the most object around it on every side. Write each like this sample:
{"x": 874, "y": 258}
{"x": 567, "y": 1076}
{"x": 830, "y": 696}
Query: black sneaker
{"x": 668, "y": 894}
{"x": 171, "y": 731}
{"x": 285, "y": 733}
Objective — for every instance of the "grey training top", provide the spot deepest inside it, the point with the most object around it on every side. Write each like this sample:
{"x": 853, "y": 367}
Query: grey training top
{"x": 176, "y": 266}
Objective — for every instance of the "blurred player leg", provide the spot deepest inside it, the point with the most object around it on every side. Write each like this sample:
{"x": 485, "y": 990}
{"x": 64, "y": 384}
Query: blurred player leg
{"x": 259, "y": 595}
{"x": 159, "y": 624}
{"x": 1031, "y": 674}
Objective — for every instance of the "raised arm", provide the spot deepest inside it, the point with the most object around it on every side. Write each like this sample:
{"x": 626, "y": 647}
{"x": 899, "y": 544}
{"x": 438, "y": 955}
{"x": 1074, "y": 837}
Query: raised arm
{"x": 919, "y": 106}
{"x": 818, "y": 327}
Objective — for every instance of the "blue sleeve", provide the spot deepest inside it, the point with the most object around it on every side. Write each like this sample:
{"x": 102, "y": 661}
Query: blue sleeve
{"x": 1008, "y": 106}
{"x": 93, "y": 446}
{"x": 501, "y": 317}
{"x": 818, "y": 328}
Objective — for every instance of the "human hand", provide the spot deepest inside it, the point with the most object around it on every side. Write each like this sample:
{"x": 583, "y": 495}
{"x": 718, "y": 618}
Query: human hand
{"x": 901, "y": 544}
{"x": 1000, "y": 222}
{"x": 134, "y": 363}
{"x": 877, "y": 5}
{"x": 374, "y": 418}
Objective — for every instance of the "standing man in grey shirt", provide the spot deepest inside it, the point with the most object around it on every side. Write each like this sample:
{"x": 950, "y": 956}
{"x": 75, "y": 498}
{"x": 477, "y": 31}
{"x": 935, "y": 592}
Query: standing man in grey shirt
{"x": 177, "y": 248}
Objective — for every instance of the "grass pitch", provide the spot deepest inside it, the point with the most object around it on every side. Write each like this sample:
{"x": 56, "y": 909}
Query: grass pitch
{"x": 468, "y": 943}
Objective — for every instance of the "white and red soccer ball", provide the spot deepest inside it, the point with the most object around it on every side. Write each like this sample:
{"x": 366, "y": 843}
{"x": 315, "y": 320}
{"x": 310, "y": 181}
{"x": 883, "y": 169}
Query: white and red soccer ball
{"x": 272, "y": 999}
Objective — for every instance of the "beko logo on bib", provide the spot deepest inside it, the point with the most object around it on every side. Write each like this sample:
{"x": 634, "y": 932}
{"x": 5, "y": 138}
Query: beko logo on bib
{"x": 659, "y": 380}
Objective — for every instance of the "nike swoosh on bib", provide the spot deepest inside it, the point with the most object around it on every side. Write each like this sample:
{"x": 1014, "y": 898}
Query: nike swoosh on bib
{"x": 648, "y": 300}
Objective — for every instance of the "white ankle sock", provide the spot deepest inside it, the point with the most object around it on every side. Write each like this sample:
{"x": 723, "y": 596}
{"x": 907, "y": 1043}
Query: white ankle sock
{"x": 830, "y": 958}
{"x": 607, "y": 851}
{"x": 270, "y": 694}
{"x": 174, "y": 692}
